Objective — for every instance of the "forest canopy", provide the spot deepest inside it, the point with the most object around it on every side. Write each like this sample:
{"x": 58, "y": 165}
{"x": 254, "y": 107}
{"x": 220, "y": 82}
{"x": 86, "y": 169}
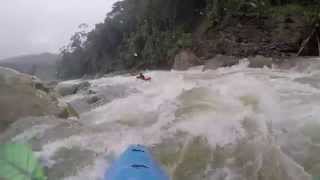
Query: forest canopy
{"x": 140, "y": 34}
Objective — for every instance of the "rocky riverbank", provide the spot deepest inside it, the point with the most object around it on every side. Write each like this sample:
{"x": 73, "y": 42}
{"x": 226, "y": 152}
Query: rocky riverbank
{"x": 264, "y": 41}
{"x": 238, "y": 122}
{"x": 22, "y": 96}
{"x": 279, "y": 36}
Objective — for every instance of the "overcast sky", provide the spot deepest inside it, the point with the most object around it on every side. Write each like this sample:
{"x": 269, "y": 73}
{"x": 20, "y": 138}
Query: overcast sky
{"x": 36, "y": 26}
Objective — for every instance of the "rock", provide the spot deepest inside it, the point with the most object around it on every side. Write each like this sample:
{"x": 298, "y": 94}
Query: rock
{"x": 244, "y": 37}
{"x": 220, "y": 61}
{"x": 185, "y": 59}
{"x": 19, "y": 98}
{"x": 212, "y": 64}
{"x": 52, "y": 84}
{"x": 260, "y": 62}
{"x": 68, "y": 111}
{"x": 83, "y": 86}
{"x": 41, "y": 86}
{"x": 93, "y": 99}
{"x": 91, "y": 92}
{"x": 67, "y": 88}
{"x": 10, "y": 76}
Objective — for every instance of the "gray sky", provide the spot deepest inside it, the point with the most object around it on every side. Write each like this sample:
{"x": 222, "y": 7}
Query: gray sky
{"x": 35, "y": 26}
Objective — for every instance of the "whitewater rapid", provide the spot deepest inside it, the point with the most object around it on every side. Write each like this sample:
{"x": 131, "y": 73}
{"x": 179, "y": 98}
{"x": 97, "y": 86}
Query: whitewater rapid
{"x": 233, "y": 123}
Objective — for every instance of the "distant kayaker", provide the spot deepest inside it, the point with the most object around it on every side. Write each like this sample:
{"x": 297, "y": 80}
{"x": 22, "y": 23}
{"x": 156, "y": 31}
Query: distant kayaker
{"x": 143, "y": 77}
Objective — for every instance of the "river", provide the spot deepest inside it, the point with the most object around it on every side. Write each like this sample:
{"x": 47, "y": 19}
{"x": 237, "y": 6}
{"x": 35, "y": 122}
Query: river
{"x": 234, "y": 123}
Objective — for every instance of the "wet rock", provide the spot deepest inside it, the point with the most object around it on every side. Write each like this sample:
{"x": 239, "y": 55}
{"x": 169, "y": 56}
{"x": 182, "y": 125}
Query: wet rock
{"x": 260, "y": 62}
{"x": 41, "y": 86}
{"x": 67, "y": 111}
{"x": 102, "y": 96}
{"x": 52, "y": 84}
{"x": 91, "y": 91}
{"x": 93, "y": 99}
{"x": 220, "y": 61}
{"x": 185, "y": 59}
{"x": 83, "y": 86}
{"x": 9, "y": 76}
{"x": 20, "y": 98}
{"x": 66, "y": 88}
{"x": 212, "y": 64}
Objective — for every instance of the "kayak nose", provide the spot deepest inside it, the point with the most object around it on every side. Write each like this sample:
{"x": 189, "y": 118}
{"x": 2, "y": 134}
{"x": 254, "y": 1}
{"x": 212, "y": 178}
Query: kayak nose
{"x": 136, "y": 163}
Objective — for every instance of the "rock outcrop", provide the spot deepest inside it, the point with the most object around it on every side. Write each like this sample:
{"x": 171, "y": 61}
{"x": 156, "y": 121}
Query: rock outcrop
{"x": 185, "y": 59}
{"x": 66, "y": 88}
{"x": 260, "y": 62}
{"x": 220, "y": 61}
{"x": 249, "y": 36}
{"x": 22, "y": 95}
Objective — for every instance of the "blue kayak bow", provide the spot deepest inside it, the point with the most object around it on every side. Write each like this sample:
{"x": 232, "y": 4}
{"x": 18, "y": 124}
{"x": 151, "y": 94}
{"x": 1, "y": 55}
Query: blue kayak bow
{"x": 136, "y": 163}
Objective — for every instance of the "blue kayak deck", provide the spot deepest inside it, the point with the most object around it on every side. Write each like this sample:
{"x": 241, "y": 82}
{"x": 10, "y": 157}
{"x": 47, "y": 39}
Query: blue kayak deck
{"x": 136, "y": 163}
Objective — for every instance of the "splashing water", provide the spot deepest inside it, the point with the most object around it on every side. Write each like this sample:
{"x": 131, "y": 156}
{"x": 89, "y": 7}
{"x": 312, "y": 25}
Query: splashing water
{"x": 233, "y": 123}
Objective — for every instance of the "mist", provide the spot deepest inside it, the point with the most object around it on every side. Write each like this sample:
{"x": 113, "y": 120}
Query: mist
{"x": 37, "y": 26}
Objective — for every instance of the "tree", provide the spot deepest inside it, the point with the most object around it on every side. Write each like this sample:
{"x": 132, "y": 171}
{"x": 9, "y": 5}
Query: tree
{"x": 148, "y": 33}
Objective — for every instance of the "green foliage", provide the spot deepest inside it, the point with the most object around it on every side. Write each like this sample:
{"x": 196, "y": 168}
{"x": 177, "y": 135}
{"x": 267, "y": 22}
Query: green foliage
{"x": 313, "y": 15}
{"x": 310, "y": 12}
{"x": 287, "y": 10}
{"x": 218, "y": 8}
{"x": 185, "y": 40}
{"x": 143, "y": 34}
{"x": 17, "y": 162}
{"x": 148, "y": 50}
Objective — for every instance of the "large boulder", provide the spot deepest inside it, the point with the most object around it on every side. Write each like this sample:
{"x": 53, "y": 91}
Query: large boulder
{"x": 260, "y": 62}
{"x": 220, "y": 61}
{"x": 69, "y": 88}
{"x": 19, "y": 97}
{"x": 10, "y": 76}
{"x": 185, "y": 59}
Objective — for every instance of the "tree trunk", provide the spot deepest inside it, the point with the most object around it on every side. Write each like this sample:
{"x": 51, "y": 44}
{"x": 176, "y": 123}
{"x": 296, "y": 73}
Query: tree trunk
{"x": 305, "y": 42}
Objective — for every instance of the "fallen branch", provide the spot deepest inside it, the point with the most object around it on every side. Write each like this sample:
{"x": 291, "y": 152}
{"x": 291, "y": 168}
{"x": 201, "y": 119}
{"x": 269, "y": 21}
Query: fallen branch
{"x": 318, "y": 44}
{"x": 305, "y": 42}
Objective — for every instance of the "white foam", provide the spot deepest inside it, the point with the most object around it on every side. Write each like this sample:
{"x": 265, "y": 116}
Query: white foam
{"x": 30, "y": 133}
{"x": 276, "y": 101}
